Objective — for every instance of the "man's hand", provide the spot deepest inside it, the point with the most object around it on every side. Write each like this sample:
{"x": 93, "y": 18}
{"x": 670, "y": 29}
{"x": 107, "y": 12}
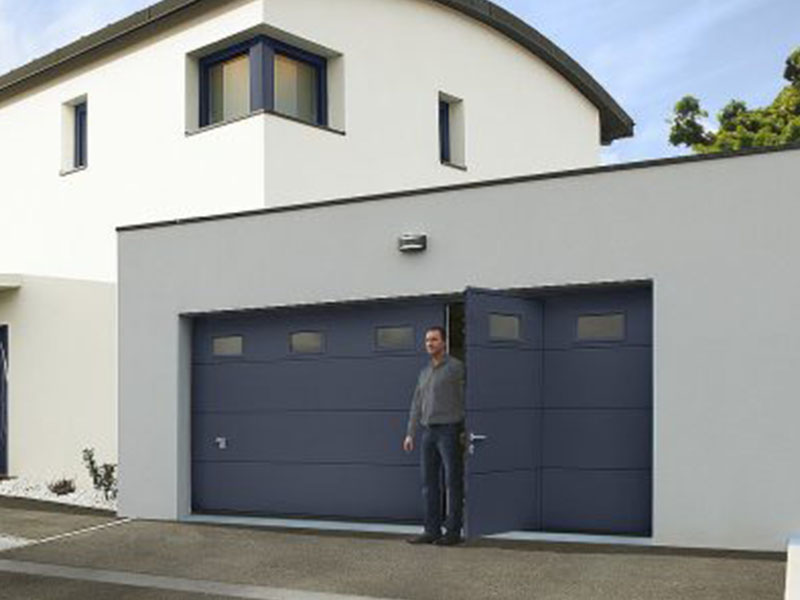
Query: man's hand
{"x": 408, "y": 443}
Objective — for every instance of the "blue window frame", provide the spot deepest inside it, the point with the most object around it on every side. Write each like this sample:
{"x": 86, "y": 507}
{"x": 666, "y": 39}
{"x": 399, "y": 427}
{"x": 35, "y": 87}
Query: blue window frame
{"x": 271, "y": 64}
{"x": 444, "y": 131}
{"x": 80, "y": 148}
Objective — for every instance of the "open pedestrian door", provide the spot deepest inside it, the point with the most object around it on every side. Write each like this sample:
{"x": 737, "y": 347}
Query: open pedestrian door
{"x": 503, "y": 400}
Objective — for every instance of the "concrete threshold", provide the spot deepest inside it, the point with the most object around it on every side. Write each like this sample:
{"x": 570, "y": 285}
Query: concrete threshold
{"x": 388, "y": 528}
{"x": 168, "y": 583}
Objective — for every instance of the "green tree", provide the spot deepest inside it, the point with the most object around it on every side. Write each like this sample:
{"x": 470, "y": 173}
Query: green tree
{"x": 740, "y": 127}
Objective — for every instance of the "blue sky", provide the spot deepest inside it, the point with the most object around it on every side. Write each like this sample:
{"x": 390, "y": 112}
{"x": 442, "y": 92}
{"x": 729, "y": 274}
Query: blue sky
{"x": 646, "y": 53}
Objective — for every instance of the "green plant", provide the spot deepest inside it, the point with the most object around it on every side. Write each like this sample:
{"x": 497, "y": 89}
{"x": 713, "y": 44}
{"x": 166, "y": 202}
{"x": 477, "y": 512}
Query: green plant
{"x": 61, "y": 487}
{"x": 104, "y": 477}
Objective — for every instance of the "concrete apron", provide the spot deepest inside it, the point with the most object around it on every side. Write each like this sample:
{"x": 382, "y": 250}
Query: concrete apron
{"x": 238, "y": 562}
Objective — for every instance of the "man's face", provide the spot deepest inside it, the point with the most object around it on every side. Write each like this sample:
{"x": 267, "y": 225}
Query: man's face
{"x": 434, "y": 343}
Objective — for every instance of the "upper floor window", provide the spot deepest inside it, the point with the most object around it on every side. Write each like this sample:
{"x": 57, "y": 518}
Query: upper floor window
{"x": 229, "y": 89}
{"x": 263, "y": 74}
{"x": 80, "y": 152}
{"x": 74, "y": 135}
{"x": 451, "y": 131}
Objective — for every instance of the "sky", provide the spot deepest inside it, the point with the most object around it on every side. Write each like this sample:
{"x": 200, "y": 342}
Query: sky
{"x": 646, "y": 53}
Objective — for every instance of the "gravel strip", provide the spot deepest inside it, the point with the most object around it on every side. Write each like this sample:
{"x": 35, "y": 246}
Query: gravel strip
{"x": 22, "y": 487}
{"x": 7, "y": 542}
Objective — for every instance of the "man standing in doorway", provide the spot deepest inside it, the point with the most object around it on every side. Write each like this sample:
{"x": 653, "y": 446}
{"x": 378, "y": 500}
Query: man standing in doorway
{"x": 438, "y": 406}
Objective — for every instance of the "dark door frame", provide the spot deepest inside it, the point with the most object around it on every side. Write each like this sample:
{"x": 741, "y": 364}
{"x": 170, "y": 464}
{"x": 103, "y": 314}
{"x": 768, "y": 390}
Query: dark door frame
{"x": 3, "y": 400}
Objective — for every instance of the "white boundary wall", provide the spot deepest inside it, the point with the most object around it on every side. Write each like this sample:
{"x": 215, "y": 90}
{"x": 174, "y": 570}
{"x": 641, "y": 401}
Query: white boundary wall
{"x": 62, "y": 376}
{"x": 716, "y": 237}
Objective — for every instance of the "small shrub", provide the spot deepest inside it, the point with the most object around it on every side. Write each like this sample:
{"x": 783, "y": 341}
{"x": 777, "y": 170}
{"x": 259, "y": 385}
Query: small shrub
{"x": 61, "y": 487}
{"x": 104, "y": 477}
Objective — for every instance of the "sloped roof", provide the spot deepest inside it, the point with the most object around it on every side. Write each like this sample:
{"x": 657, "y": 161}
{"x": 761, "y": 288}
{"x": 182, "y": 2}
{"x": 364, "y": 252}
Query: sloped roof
{"x": 615, "y": 122}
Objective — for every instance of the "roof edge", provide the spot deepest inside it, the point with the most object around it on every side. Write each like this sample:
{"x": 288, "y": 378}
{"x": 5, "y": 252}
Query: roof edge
{"x": 615, "y": 122}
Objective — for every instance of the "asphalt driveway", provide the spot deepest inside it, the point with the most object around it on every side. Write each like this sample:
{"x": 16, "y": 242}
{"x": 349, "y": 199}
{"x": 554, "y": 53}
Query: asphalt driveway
{"x": 143, "y": 559}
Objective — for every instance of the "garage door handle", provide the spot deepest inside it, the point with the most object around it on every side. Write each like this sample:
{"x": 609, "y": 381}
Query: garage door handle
{"x": 222, "y": 443}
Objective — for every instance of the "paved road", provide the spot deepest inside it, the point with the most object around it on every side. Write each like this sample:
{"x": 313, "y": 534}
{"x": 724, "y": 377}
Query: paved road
{"x": 141, "y": 559}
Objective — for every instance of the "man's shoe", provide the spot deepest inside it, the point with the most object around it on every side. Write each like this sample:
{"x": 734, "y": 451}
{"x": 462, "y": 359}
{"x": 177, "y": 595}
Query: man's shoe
{"x": 425, "y": 538}
{"x": 449, "y": 540}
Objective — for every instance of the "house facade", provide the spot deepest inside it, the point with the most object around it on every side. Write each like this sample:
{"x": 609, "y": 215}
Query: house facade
{"x": 198, "y": 107}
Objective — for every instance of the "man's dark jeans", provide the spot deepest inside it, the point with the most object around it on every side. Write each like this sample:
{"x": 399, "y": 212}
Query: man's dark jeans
{"x": 441, "y": 445}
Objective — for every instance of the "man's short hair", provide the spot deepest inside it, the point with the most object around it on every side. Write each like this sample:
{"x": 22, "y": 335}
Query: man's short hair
{"x": 438, "y": 328}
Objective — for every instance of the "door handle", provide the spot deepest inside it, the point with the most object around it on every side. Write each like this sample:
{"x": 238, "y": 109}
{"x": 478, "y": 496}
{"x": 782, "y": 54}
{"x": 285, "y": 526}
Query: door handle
{"x": 222, "y": 443}
{"x": 475, "y": 437}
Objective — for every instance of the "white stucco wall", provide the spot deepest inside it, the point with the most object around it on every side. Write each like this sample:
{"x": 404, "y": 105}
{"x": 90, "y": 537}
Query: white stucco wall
{"x": 395, "y": 58}
{"x": 521, "y": 117}
{"x": 141, "y": 165}
{"x": 62, "y": 376}
{"x": 716, "y": 238}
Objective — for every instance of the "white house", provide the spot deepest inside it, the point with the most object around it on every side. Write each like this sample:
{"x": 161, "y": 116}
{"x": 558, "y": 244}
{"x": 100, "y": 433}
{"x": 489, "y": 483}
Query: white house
{"x": 198, "y": 107}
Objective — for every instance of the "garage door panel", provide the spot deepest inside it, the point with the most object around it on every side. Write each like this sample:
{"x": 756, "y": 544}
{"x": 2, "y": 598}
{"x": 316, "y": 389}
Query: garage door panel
{"x": 609, "y": 378}
{"x": 508, "y": 493}
{"x": 300, "y": 437}
{"x": 348, "y": 331}
{"x": 596, "y": 501}
{"x": 343, "y": 491}
{"x": 385, "y": 383}
{"x": 562, "y": 314}
{"x": 505, "y": 379}
{"x": 511, "y": 440}
{"x": 597, "y": 438}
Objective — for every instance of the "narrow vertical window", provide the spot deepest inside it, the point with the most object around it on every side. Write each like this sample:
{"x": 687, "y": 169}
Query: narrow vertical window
{"x": 444, "y": 131}
{"x": 451, "y": 131}
{"x": 80, "y": 137}
{"x": 74, "y": 135}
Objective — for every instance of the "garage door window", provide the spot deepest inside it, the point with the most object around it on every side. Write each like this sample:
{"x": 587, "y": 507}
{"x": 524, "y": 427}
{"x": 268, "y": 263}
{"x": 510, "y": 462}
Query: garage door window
{"x": 504, "y": 327}
{"x": 608, "y": 327}
{"x": 228, "y": 346}
{"x": 394, "y": 338}
{"x": 307, "y": 342}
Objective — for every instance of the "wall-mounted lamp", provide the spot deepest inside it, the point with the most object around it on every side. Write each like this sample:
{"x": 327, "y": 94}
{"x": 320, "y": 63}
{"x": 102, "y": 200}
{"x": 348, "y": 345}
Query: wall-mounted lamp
{"x": 412, "y": 242}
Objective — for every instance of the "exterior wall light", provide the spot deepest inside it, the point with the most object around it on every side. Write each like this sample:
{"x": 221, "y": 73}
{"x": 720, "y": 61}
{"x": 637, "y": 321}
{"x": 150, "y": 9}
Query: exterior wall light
{"x": 412, "y": 242}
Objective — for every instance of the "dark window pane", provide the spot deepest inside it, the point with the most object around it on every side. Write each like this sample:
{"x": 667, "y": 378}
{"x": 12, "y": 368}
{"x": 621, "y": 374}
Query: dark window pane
{"x": 504, "y": 327}
{"x": 306, "y": 342}
{"x": 229, "y": 89}
{"x": 444, "y": 131}
{"x": 295, "y": 89}
{"x": 228, "y": 346}
{"x": 395, "y": 338}
{"x": 601, "y": 327}
{"x": 80, "y": 135}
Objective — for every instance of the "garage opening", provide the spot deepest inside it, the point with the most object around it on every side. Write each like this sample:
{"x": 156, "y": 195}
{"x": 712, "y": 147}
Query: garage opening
{"x": 300, "y": 412}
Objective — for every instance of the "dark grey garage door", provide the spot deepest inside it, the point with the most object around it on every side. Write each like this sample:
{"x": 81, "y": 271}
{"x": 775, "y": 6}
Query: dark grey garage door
{"x": 302, "y": 412}
{"x": 559, "y": 408}
{"x": 597, "y": 412}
